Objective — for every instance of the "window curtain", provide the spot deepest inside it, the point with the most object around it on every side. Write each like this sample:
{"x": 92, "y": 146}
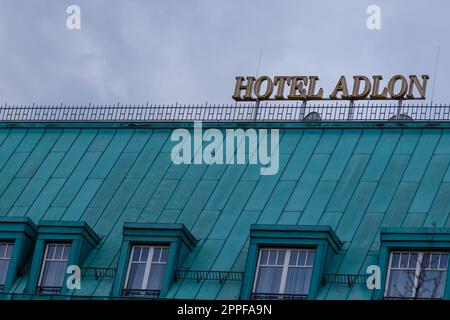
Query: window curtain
{"x": 298, "y": 280}
{"x": 269, "y": 279}
{"x": 136, "y": 276}
{"x": 401, "y": 283}
{"x": 54, "y": 272}
{"x": 156, "y": 276}
{"x": 431, "y": 284}
{"x": 3, "y": 271}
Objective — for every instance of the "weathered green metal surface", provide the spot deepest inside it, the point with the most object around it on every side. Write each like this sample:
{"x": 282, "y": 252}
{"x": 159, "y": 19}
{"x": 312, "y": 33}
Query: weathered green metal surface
{"x": 355, "y": 179}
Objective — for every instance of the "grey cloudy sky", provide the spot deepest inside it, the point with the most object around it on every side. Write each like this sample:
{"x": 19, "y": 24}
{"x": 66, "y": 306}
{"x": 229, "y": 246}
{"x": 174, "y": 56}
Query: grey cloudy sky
{"x": 189, "y": 51}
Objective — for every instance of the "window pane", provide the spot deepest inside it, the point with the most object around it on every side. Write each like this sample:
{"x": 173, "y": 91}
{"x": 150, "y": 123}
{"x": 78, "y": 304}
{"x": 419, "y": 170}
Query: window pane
{"x": 426, "y": 261}
{"x": 298, "y": 280}
{"x": 148, "y": 272}
{"x": 293, "y": 258}
{"x": 136, "y": 253}
{"x": 272, "y": 257}
{"x": 281, "y": 256}
{"x": 65, "y": 255}
{"x": 413, "y": 260}
{"x": 164, "y": 254}
{"x": 269, "y": 279}
{"x": 444, "y": 261}
{"x": 59, "y": 251}
{"x": 310, "y": 259}
{"x": 301, "y": 258}
{"x": 264, "y": 257}
{"x": 50, "y": 251}
{"x": 2, "y": 249}
{"x": 435, "y": 261}
{"x": 156, "y": 276}
{"x": 144, "y": 254}
{"x": 431, "y": 284}
{"x": 9, "y": 250}
{"x": 401, "y": 283}
{"x": 3, "y": 270}
{"x": 395, "y": 260}
{"x": 53, "y": 273}
{"x": 136, "y": 276}
{"x": 404, "y": 260}
{"x": 156, "y": 254}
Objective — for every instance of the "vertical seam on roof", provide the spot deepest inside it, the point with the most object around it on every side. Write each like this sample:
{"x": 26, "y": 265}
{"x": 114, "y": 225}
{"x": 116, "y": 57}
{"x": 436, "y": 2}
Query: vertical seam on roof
{"x": 421, "y": 178}
{"x": 221, "y": 212}
{"x": 401, "y": 180}
{"x": 231, "y": 229}
{"x": 154, "y": 191}
{"x": 65, "y": 182}
{"x": 440, "y": 183}
{"x": 377, "y": 184}
{"x": 368, "y": 202}
{"x": 323, "y": 170}
{"x": 297, "y": 181}
{"x": 212, "y": 227}
{"x": 106, "y": 236}
{"x": 192, "y": 190}
{"x": 278, "y": 181}
{"x": 83, "y": 183}
{"x": 18, "y": 169}
{"x": 391, "y": 200}
{"x": 40, "y": 165}
{"x": 6, "y": 136}
{"x": 340, "y": 261}
{"x": 12, "y": 152}
{"x": 359, "y": 181}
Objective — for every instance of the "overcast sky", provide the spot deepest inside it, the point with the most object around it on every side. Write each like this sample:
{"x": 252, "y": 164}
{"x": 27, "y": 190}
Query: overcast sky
{"x": 189, "y": 51}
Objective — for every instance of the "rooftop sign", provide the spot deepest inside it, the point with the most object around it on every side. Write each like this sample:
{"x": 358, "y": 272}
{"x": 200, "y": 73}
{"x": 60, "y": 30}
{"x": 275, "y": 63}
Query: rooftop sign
{"x": 306, "y": 88}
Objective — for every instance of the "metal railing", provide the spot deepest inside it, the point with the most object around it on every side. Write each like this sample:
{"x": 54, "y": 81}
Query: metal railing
{"x": 278, "y": 296}
{"x": 347, "y": 279}
{"x": 302, "y": 111}
{"x": 141, "y": 293}
{"x": 221, "y": 276}
{"x": 48, "y": 290}
{"x": 98, "y": 273}
{"x": 93, "y": 272}
{"x": 410, "y": 298}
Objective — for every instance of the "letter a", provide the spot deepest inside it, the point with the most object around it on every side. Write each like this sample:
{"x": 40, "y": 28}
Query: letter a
{"x": 374, "y": 280}
{"x": 73, "y": 21}
{"x": 74, "y": 280}
{"x": 374, "y": 20}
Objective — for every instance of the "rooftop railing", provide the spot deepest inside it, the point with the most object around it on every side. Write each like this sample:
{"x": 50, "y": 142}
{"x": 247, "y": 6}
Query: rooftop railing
{"x": 301, "y": 111}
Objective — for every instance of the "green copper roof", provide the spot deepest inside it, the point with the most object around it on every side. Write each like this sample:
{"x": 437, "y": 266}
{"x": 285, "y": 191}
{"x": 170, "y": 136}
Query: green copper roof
{"x": 355, "y": 178}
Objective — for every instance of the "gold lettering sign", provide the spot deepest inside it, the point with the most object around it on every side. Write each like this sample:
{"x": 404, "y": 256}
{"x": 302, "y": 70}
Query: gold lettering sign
{"x": 398, "y": 87}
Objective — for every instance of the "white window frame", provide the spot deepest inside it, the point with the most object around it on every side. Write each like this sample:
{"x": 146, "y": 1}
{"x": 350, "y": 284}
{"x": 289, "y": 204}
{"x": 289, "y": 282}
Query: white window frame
{"x": 148, "y": 264}
{"x": 285, "y": 266}
{"x": 7, "y": 244}
{"x": 45, "y": 259}
{"x": 418, "y": 270}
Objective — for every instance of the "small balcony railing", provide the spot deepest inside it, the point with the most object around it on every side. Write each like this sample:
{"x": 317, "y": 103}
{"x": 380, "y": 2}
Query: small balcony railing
{"x": 410, "y": 298}
{"x": 140, "y": 293}
{"x": 202, "y": 275}
{"x": 278, "y": 296}
{"x": 48, "y": 290}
